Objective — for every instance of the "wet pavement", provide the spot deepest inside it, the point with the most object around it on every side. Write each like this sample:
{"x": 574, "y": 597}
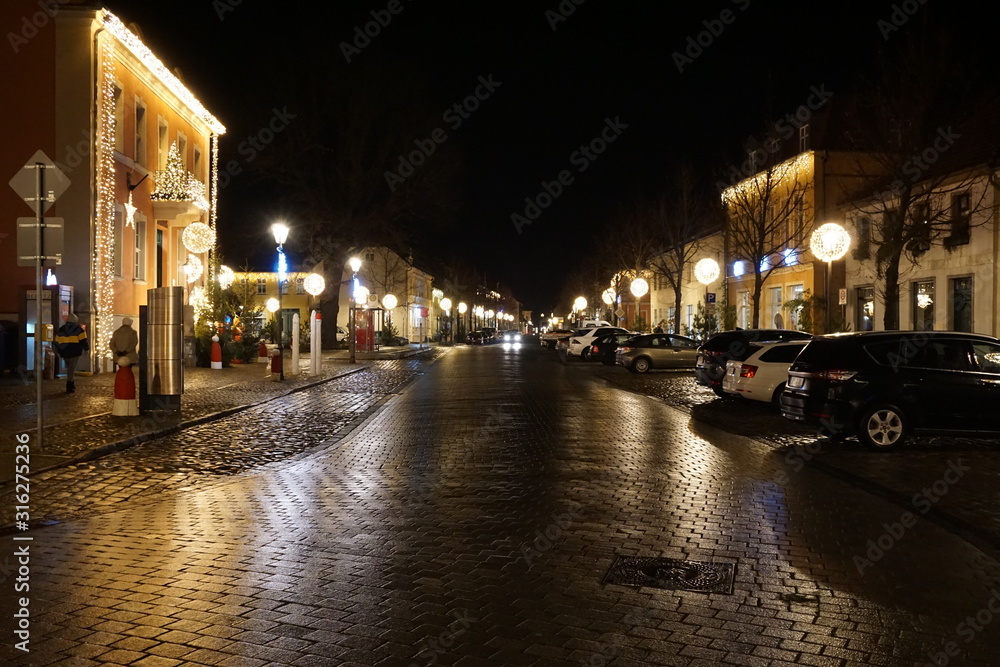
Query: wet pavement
{"x": 464, "y": 511}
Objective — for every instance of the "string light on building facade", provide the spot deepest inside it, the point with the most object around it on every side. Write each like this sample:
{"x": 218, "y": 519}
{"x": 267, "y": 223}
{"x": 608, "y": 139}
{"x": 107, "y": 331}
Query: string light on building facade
{"x": 199, "y": 299}
{"x": 198, "y": 238}
{"x": 784, "y": 174}
{"x": 104, "y": 222}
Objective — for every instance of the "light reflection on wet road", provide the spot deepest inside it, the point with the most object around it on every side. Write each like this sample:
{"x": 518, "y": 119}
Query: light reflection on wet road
{"x": 470, "y": 521}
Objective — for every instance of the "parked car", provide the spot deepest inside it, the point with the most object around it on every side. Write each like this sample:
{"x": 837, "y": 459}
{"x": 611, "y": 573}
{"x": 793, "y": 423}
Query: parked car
{"x": 474, "y": 338}
{"x": 604, "y": 348}
{"x": 883, "y": 386}
{"x": 489, "y": 335}
{"x": 762, "y": 375}
{"x": 581, "y": 340}
{"x": 733, "y": 345}
{"x": 550, "y": 338}
{"x": 649, "y": 351}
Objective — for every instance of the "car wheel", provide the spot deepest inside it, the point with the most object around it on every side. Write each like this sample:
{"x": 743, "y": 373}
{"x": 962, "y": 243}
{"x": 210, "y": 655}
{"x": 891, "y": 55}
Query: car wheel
{"x": 641, "y": 365}
{"x": 586, "y": 354}
{"x": 720, "y": 392}
{"x": 882, "y": 428}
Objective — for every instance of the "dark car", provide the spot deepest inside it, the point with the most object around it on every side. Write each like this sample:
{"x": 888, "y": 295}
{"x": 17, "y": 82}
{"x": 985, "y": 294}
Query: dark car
{"x": 882, "y": 386}
{"x": 603, "y": 349}
{"x": 474, "y": 338}
{"x": 649, "y": 351}
{"x": 710, "y": 366}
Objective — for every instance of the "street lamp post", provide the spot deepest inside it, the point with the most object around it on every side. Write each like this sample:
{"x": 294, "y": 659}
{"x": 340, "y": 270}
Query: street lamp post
{"x": 355, "y": 263}
{"x": 280, "y": 232}
{"x": 829, "y": 243}
{"x": 706, "y": 271}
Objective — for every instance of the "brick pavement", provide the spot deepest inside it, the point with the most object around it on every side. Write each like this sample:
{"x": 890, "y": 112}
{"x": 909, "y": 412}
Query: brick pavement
{"x": 80, "y": 425}
{"x": 476, "y": 530}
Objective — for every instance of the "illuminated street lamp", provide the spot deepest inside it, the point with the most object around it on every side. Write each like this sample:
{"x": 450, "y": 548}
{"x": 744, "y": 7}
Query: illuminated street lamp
{"x": 446, "y": 307}
{"x": 829, "y": 243}
{"x": 706, "y": 271}
{"x": 280, "y": 232}
{"x": 355, "y": 264}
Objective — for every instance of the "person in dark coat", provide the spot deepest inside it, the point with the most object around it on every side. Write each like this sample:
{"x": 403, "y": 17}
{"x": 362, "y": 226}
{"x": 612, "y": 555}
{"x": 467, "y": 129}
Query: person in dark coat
{"x": 71, "y": 343}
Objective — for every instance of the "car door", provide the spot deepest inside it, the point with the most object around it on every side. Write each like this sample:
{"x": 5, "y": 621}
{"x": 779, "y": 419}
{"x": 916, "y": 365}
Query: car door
{"x": 684, "y": 352}
{"x": 986, "y": 374}
{"x": 938, "y": 383}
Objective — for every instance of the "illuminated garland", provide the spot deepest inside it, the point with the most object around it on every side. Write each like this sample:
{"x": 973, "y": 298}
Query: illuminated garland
{"x": 175, "y": 183}
{"x": 104, "y": 215}
{"x": 114, "y": 25}
{"x": 213, "y": 203}
{"x": 786, "y": 171}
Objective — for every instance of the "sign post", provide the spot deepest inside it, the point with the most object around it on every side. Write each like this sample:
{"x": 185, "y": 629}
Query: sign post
{"x": 39, "y": 242}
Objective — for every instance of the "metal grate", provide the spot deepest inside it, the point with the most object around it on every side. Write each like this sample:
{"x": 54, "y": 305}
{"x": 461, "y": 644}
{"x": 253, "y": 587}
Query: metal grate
{"x": 672, "y": 574}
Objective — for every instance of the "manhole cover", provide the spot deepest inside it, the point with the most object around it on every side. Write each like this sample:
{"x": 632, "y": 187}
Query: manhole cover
{"x": 672, "y": 574}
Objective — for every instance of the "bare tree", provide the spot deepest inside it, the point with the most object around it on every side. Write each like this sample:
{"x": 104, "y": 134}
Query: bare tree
{"x": 678, "y": 220}
{"x": 765, "y": 221}
{"x": 916, "y": 189}
{"x": 356, "y": 163}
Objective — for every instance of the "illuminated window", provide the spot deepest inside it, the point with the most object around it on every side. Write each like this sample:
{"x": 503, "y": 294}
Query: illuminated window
{"x": 262, "y": 286}
{"x": 791, "y": 256}
{"x": 139, "y": 272}
{"x": 923, "y": 305}
{"x": 866, "y": 308}
{"x": 739, "y": 268}
{"x": 140, "y": 132}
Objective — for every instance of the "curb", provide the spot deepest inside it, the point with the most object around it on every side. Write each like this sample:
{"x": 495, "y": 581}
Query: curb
{"x": 128, "y": 443}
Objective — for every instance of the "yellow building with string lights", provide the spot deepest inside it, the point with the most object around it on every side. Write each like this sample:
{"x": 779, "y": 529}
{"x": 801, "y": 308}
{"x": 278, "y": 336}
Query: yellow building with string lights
{"x": 140, "y": 153}
{"x": 818, "y": 181}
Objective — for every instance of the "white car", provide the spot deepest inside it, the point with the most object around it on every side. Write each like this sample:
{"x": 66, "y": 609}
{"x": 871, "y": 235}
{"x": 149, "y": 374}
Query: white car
{"x": 582, "y": 340}
{"x": 762, "y": 376}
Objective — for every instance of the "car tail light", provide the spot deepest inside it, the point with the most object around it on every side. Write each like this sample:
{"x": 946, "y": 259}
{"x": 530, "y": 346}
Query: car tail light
{"x": 624, "y": 350}
{"x": 834, "y": 375}
{"x": 747, "y": 371}
{"x": 594, "y": 349}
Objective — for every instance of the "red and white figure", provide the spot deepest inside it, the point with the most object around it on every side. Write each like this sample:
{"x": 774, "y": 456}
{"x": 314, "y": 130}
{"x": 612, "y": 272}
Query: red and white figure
{"x": 216, "y": 353}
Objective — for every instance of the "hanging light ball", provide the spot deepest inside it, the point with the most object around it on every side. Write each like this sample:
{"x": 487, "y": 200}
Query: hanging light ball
{"x": 272, "y": 305}
{"x": 314, "y": 284}
{"x": 389, "y": 301}
{"x": 608, "y": 296}
{"x": 580, "y": 303}
{"x": 226, "y": 277}
{"x": 462, "y": 307}
{"x": 193, "y": 268}
{"x": 830, "y": 242}
{"x": 706, "y": 271}
{"x": 446, "y": 304}
{"x": 639, "y": 288}
{"x": 198, "y": 237}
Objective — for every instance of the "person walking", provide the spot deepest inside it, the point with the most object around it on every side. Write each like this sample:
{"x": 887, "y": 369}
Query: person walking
{"x": 71, "y": 343}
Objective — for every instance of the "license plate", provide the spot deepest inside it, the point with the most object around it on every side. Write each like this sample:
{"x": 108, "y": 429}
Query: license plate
{"x": 794, "y": 381}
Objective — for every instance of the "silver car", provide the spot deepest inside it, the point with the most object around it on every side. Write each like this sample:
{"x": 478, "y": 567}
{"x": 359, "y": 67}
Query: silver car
{"x": 657, "y": 351}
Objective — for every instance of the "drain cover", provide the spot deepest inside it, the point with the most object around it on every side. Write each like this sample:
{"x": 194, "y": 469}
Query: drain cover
{"x": 672, "y": 574}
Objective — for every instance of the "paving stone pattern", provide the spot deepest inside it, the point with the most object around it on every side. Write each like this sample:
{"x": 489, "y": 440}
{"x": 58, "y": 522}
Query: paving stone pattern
{"x": 470, "y": 520}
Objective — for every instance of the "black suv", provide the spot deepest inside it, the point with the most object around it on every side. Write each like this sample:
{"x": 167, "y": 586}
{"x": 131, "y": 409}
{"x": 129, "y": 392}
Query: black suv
{"x": 881, "y": 386}
{"x": 710, "y": 366}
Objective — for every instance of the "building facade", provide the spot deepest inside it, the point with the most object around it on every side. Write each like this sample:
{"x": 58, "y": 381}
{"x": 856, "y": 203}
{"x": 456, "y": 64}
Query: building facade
{"x": 140, "y": 153}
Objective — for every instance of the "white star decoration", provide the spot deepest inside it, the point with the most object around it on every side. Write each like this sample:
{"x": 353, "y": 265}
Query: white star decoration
{"x": 130, "y": 212}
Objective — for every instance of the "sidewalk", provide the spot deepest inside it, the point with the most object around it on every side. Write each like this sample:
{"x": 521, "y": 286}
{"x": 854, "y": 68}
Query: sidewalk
{"x": 80, "y": 426}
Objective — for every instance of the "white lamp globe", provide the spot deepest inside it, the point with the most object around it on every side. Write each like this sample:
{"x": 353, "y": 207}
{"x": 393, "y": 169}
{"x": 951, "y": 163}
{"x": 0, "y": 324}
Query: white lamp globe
{"x": 639, "y": 287}
{"x": 830, "y": 242}
{"x": 389, "y": 301}
{"x": 706, "y": 271}
{"x": 314, "y": 284}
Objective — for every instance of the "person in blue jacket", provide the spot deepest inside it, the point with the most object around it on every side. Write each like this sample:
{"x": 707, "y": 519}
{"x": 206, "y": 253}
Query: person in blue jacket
{"x": 71, "y": 343}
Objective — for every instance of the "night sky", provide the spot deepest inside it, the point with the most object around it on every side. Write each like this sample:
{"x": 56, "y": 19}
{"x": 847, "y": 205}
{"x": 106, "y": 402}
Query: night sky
{"x": 562, "y": 79}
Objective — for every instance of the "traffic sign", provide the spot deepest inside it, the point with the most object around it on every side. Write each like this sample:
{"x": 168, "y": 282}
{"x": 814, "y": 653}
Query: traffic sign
{"x": 52, "y": 241}
{"x": 709, "y": 297}
{"x": 620, "y": 312}
{"x": 25, "y": 182}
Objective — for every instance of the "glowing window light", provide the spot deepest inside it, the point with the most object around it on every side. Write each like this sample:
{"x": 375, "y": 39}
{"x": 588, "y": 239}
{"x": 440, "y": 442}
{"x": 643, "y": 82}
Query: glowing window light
{"x": 791, "y": 256}
{"x": 765, "y": 263}
{"x": 739, "y": 268}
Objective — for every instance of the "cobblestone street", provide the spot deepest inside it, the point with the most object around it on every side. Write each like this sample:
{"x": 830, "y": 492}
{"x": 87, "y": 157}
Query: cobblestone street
{"x": 465, "y": 511}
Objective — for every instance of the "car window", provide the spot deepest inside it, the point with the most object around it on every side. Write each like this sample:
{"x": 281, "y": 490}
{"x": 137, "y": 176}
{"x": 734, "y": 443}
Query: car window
{"x": 782, "y": 353}
{"x": 987, "y": 357}
{"x": 916, "y": 352}
{"x": 677, "y": 341}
